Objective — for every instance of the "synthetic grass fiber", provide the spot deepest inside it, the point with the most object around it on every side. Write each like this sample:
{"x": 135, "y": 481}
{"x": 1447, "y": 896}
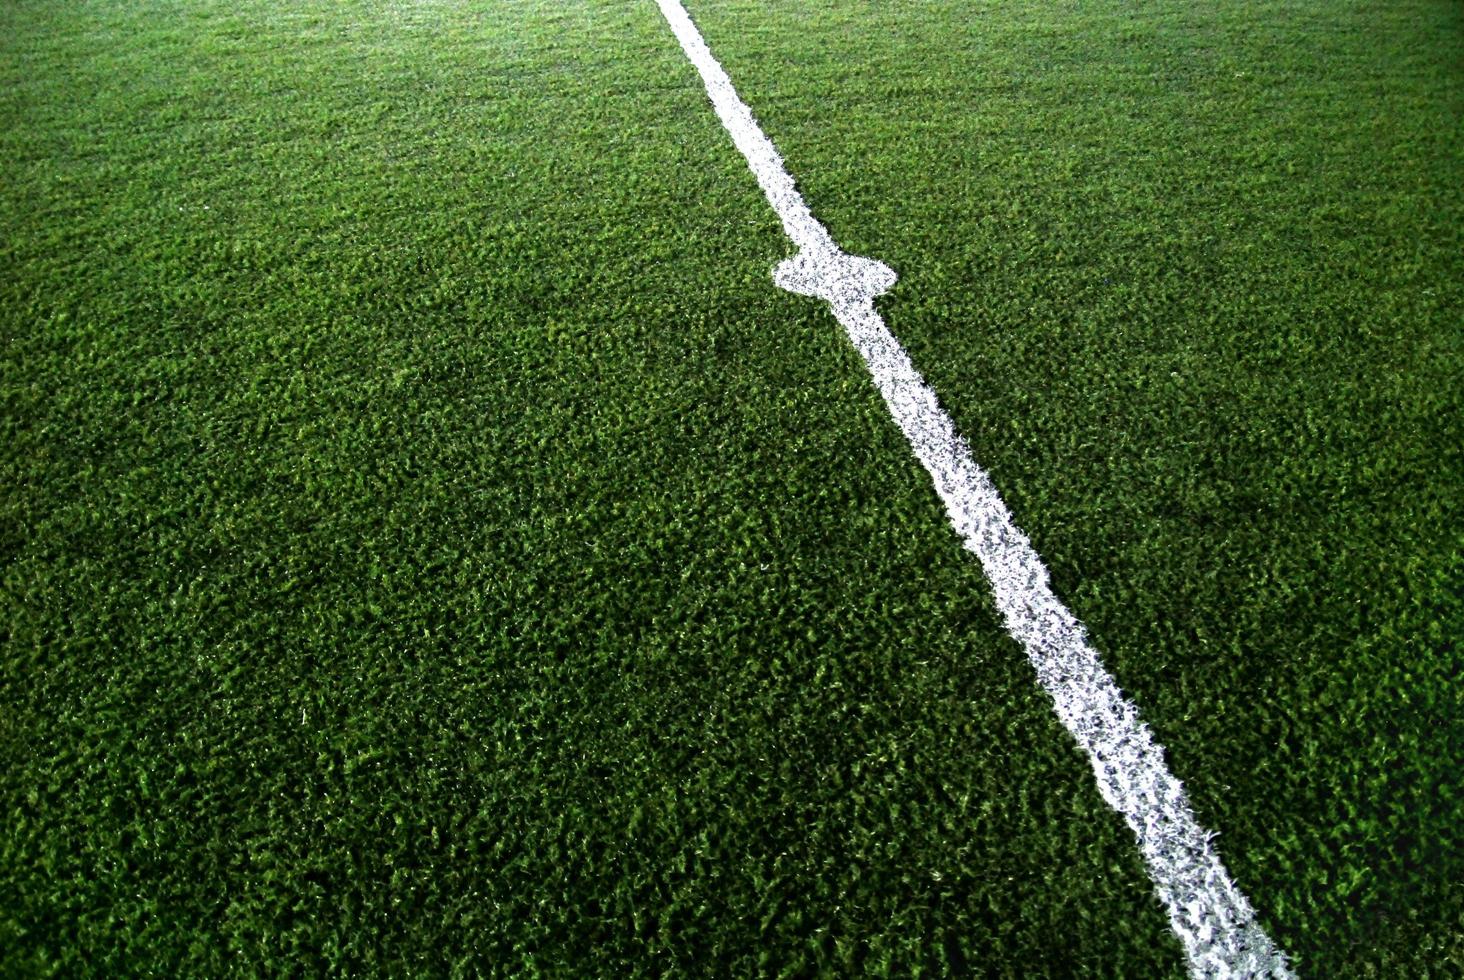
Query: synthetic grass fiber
{"x": 432, "y": 545}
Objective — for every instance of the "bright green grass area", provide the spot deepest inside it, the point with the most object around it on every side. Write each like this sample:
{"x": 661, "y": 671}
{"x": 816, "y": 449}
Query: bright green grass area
{"x": 431, "y": 543}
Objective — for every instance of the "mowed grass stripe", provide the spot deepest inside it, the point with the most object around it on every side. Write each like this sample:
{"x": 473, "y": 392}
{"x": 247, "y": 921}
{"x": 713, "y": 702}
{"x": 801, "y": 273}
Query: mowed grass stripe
{"x": 422, "y": 555}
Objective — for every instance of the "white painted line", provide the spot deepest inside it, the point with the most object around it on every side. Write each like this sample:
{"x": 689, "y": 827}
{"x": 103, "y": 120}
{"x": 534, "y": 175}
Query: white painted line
{"x": 1214, "y": 921}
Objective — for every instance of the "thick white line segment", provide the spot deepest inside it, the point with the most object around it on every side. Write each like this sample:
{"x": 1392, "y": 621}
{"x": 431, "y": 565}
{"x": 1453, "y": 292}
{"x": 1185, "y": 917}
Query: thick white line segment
{"x": 1213, "y": 920}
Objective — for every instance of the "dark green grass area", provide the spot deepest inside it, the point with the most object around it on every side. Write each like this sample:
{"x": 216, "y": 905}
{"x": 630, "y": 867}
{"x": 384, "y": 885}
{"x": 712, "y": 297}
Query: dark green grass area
{"x": 1191, "y": 279}
{"x": 430, "y": 543}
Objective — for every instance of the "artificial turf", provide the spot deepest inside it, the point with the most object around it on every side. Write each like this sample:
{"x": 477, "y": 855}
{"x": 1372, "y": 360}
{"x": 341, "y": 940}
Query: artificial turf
{"x": 432, "y": 545}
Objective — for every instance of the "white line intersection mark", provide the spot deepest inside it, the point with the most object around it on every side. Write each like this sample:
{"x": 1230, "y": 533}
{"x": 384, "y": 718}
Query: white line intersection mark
{"x": 1214, "y": 921}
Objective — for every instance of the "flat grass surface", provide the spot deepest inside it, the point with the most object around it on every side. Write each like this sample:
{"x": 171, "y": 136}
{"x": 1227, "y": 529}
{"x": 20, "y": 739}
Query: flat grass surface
{"x": 431, "y": 544}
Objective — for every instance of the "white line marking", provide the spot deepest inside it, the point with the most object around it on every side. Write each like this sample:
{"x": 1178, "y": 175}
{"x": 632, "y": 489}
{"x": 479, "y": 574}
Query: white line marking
{"x": 1213, "y": 920}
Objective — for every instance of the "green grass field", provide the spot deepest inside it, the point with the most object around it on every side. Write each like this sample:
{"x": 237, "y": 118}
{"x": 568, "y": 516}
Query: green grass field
{"x": 430, "y": 543}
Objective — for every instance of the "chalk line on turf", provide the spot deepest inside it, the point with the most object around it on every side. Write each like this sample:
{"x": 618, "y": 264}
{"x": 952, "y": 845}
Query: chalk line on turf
{"x": 1212, "y": 918}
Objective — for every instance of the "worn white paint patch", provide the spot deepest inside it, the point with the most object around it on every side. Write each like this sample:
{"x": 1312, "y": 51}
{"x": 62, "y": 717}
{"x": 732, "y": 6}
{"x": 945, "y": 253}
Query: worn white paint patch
{"x": 1214, "y": 921}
